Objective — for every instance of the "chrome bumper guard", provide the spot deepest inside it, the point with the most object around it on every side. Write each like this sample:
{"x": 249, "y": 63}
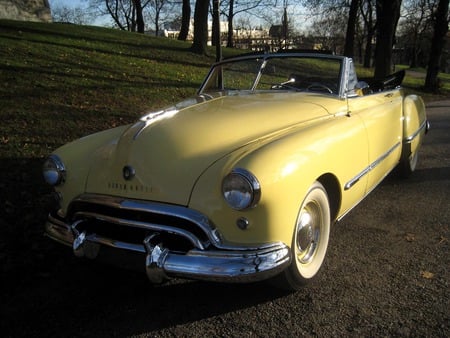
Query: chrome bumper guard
{"x": 222, "y": 265}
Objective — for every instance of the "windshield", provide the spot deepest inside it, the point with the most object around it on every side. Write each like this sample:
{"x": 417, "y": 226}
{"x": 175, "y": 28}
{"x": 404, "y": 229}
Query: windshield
{"x": 293, "y": 73}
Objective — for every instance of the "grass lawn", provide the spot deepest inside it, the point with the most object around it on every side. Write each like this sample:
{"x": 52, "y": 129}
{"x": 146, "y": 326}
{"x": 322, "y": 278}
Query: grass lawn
{"x": 61, "y": 81}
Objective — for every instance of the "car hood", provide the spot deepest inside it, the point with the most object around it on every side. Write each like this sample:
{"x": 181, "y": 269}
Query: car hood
{"x": 161, "y": 156}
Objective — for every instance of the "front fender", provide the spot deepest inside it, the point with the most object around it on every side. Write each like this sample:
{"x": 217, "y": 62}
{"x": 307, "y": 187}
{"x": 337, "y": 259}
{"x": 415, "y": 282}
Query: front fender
{"x": 286, "y": 167}
{"x": 79, "y": 155}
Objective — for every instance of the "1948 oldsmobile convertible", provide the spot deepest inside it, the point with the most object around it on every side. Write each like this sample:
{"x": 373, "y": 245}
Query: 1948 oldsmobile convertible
{"x": 242, "y": 182}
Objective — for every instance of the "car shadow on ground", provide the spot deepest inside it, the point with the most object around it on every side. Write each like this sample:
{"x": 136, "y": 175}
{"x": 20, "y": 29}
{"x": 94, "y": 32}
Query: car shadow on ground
{"x": 79, "y": 297}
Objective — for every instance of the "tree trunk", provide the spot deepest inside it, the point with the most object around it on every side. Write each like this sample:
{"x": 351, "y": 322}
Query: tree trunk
{"x": 350, "y": 35}
{"x": 200, "y": 27}
{"x": 217, "y": 41}
{"x": 388, "y": 13}
{"x": 368, "y": 50}
{"x": 139, "y": 16}
{"x": 185, "y": 20}
{"x": 437, "y": 46}
{"x": 370, "y": 28}
{"x": 215, "y": 24}
{"x": 284, "y": 28}
{"x": 157, "y": 14}
{"x": 230, "y": 43}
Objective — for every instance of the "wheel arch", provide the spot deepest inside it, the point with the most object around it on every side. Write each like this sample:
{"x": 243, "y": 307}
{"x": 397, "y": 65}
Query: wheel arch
{"x": 331, "y": 185}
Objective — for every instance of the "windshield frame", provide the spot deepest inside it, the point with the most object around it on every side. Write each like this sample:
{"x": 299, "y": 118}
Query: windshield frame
{"x": 264, "y": 59}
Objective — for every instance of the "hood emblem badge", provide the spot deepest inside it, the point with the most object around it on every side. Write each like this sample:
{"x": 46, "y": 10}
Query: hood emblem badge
{"x": 128, "y": 172}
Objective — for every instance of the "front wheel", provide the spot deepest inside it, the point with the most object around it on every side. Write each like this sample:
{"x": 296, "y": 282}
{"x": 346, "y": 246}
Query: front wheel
{"x": 310, "y": 239}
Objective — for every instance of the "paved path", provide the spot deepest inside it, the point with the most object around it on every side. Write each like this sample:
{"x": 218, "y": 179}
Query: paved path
{"x": 443, "y": 106}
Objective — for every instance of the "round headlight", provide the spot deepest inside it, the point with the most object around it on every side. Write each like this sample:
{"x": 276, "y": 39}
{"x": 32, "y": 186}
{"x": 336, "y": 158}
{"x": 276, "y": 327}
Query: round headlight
{"x": 241, "y": 189}
{"x": 54, "y": 170}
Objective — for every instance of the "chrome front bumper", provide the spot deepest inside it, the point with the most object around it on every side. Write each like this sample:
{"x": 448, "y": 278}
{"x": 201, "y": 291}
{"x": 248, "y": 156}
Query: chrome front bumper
{"x": 238, "y": 264}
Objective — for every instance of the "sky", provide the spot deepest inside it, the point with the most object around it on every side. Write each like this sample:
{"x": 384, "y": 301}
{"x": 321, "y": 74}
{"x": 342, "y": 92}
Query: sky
{"x": 77, "y": 3}
{"x": 299, "y": 17}
{"x": 67, "y": 3}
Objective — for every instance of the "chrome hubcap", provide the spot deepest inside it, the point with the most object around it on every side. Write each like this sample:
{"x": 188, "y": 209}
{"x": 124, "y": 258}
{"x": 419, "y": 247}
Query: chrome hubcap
{"x": 308, "y": 231}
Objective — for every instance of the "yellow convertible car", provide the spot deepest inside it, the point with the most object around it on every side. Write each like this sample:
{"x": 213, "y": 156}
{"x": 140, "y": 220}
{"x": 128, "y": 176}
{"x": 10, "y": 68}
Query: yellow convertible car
{"x": 242, "y": 182}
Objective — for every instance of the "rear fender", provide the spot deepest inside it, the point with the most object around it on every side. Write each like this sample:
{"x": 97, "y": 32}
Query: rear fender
{"x": 415, "y": 124}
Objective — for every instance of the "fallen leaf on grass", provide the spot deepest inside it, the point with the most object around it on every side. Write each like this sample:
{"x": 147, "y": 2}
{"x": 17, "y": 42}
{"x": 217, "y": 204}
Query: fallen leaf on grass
{"x": 410, "y": 237}
{"x": 427, "y": 274}
{"x": 443, "y": 240}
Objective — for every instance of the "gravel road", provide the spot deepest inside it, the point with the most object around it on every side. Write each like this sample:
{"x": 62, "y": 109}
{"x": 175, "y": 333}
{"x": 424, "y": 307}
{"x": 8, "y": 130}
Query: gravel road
{"x": 386, "y": 274}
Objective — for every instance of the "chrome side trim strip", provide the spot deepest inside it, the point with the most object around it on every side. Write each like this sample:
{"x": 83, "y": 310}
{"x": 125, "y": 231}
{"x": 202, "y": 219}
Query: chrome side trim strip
{"x": 410, "y": 138}
{"x": 354, "y": 180}
{"x": 365, "y": 195}
{"x": 369, "y": 168}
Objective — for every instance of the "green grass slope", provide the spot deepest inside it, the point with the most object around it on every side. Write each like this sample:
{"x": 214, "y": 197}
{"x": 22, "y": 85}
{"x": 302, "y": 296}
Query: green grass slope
{"x": 62, "y": 81}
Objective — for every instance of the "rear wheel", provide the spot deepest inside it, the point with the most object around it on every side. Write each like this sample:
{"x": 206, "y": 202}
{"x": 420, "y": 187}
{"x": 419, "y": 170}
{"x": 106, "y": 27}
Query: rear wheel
{"x": 310, "y": 240}
{"x": 408, "y": 164}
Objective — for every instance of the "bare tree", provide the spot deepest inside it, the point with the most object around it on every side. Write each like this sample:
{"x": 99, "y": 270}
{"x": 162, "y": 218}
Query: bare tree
{"x": 138, "y": 8}
{"x": 215, "y": 37}
{"x": 231, "y": 15}
{"x": 235, "y": 8}
{"x": 185, "y": 20}
{"x": 329, "y": 17}
{"x": 416, "y": 29}
{"x": 351, "y": 27}
{"x": 437, "y": 45}
{"x": 121, "y": 11}
{"x": 76, "y": 15}
{"x": 367, "y": 13}
{"x": 332, "y": 10}
{"x": 126, "y": 14}
{"x": 158, "y": 12}
{"x": 200, "y": 27}
{"x": 284, "y": 25}
{"x": 388, "y": 14}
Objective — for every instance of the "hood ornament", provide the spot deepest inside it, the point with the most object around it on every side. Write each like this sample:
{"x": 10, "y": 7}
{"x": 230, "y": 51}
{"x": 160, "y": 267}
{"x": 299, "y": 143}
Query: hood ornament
{"x": 154, "y": 117}
{"x": 128, "y": 172}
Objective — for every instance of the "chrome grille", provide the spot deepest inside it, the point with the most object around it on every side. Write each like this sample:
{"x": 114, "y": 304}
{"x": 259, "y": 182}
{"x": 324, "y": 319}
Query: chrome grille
{"x": 131, "y": 221}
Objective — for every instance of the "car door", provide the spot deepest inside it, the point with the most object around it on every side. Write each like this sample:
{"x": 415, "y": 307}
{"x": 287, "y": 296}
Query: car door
{"x": 381, "y": 114}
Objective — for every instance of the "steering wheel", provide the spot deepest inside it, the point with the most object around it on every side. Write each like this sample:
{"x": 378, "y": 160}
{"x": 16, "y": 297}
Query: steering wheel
{"x": 319, "y": 86}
